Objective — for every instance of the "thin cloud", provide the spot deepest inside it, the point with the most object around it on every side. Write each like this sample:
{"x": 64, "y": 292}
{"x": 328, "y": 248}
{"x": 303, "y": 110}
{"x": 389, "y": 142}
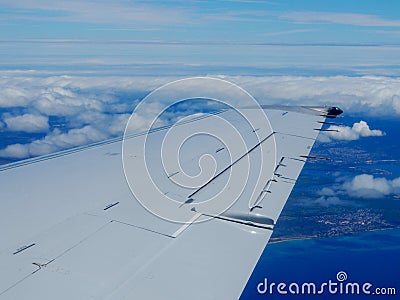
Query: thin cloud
{"x": 99, "y": 12}
{"x": 326, "y": 192}
{"x": 329, "y": 201}
{"x": 328, "y": 197}
{"x": 287, "y": 32}
{"x": 393, "y": 33}
{"x": 365, "y": 20}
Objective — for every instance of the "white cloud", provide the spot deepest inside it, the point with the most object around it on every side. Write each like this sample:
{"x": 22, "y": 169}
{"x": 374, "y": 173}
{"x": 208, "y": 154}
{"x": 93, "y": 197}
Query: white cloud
{"x": 366, "y": 94}
{"x": 12, "y": 96}
{"x": 363, "y": 130}
{"x": 102, "y": 104}
{"x": 102, "y": 126}
{"x": 54, "y": 141}
{"x": 360, "y": 129}
{"x": 364, "y": 186}
{"x": 27, "y": 123}
{"x": 15, "y": 151}
{"x": 91, "y": 109}
{"x": 396, "y": 103}
{"x": 367, "y": 186}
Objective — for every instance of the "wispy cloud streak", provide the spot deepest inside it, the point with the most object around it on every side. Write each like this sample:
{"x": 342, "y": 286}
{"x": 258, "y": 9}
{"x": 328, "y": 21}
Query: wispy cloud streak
{"x": 356, "y": 19}
{"x": 99, "y": 12}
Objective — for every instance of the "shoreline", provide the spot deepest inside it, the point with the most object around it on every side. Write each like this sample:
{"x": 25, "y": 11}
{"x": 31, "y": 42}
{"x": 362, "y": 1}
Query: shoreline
{"x": 282, "y": 240}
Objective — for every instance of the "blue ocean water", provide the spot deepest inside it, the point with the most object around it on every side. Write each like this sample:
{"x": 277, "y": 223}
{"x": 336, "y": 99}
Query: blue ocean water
{"x": 369, "y": 257}
{"x": 372, "y": 257}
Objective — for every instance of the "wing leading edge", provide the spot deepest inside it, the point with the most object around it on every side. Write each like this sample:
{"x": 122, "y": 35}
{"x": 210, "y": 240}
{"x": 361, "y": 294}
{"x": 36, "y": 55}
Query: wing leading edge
{"x": 71, "y": 227}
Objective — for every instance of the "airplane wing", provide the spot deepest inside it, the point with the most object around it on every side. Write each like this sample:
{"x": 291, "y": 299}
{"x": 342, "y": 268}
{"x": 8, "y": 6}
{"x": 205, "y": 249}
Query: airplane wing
{"x": 71, "y": 227}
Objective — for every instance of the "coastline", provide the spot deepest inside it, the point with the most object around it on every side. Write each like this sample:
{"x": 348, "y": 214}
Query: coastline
{"x": 305, "y": 238}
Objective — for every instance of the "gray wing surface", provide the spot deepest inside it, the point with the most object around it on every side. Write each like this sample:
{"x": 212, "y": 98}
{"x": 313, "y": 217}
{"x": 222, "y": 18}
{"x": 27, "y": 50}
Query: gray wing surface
{"x": 71, "y": 228}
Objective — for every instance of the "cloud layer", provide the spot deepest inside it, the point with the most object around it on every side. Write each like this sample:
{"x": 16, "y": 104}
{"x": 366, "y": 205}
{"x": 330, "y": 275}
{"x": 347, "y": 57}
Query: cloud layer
{"x": 83, "y": 109}
{"x": 366, "y": 94}
{"x": 70, "y": 111}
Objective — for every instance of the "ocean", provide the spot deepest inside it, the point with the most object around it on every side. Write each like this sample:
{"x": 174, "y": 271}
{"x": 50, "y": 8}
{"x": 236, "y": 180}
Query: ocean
{"x": 363, "y": 258}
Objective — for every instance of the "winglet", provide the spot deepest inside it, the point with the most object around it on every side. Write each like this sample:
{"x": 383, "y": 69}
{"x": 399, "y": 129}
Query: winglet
{"x": 333, "y": 112}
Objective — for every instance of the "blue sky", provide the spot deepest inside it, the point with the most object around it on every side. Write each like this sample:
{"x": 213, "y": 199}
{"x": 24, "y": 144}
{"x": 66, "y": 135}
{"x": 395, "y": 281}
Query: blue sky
{"x": 235, "y": 32}
{"x": 255, "y": 21}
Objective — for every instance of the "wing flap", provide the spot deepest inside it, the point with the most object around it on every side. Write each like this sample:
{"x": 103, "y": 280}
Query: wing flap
{"x": 46, "y": 247}
{"x": 296, "y": 130}
{"x": 200, "y": 264}
{"x": 94, "y": 267}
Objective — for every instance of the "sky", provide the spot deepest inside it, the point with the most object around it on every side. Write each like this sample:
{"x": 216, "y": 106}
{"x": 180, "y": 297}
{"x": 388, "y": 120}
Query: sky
{"x": 190, "y": 34}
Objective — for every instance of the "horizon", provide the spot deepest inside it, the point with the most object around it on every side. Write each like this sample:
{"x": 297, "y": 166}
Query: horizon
{"x": 193, "y": 36}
